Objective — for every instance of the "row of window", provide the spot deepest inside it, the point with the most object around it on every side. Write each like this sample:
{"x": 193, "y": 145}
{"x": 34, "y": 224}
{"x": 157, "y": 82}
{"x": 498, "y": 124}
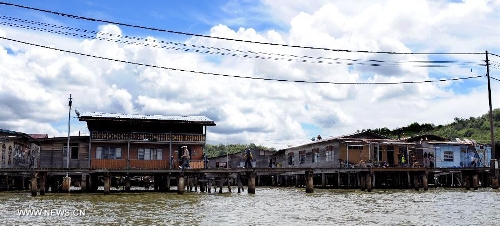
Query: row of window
{"x": 116, "y": 153}
{"x": 314, "y": 158}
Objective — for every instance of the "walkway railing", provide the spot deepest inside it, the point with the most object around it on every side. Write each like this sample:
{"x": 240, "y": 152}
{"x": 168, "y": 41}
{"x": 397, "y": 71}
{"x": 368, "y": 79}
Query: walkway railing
{"x": 108, "y": 164}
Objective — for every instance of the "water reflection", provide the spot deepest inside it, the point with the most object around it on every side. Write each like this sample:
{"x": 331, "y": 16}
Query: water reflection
{"x": 270, "y": 206}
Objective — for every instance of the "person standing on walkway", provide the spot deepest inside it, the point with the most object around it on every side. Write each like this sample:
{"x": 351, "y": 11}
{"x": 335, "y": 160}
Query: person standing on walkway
{"x": 248, "y": 156}
{"x": 185, "y": 157}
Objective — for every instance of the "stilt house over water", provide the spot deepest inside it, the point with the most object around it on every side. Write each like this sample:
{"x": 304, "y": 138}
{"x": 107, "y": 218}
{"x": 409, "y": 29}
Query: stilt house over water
{"x": 125, "y": 141}
{"x": 355, "y": 150}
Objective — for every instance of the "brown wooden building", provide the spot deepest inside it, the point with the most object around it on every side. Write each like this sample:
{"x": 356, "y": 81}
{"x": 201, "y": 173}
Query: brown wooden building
{"x": 357, "y": 149}
{"x": 124, "y": 141}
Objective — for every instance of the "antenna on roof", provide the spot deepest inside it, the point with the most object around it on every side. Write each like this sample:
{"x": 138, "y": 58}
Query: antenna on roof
{"x": 77, "y": 113}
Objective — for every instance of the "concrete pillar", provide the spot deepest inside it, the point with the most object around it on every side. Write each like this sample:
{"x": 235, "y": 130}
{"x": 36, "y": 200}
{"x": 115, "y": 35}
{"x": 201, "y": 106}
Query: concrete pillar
{"x": 251, "y": 183}
{"x": 424, "y": 182}
{"x": 180, "y": 185}
{"x": 42, "y": 183}
{"x": 66, "y": 185}
{"x": 369, "y": 182}
{"x": 107, "y": 183}
{"x": 127, "y": 183}
{"x": 34, "y": 185}
{"x": 309, "y": 182}
{"x": 475, "y": 181}
{"x": 362, "y": 182}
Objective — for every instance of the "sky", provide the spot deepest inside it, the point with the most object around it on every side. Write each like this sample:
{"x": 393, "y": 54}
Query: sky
{"x": 272, "y": 72}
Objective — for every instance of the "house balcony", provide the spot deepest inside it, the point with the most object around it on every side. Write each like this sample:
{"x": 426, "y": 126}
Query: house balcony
{"x": 108, "y": 164}
{"x": 140, "y": 164}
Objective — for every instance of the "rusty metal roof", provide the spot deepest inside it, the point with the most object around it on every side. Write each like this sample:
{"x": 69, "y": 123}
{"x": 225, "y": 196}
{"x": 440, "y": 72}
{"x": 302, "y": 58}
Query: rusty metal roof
{"x": 100, "y": 115}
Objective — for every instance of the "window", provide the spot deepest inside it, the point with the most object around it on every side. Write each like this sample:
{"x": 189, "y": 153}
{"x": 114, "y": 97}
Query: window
{"x": 448, "y": 156}
{"x": 302, "y": 158}
{"x": 3, "y": 153}
{"x": 262, "y": 152}
{"x": 149, "y": 154}
{"x": 74, "y": 150}
{"x": 290, "y": 160}
{"x": 108, "y": 153}
{"x": 315, "y": 157}
{"x": 329, "y": 156}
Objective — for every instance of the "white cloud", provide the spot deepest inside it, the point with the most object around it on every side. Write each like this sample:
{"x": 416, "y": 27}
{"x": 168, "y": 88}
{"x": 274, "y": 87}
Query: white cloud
{"x": 263, "y": 112}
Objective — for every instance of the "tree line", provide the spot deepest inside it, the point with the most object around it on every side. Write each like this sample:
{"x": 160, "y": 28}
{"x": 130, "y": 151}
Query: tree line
{"x": 228, "y": 149}
{"x": 475, "y": 128}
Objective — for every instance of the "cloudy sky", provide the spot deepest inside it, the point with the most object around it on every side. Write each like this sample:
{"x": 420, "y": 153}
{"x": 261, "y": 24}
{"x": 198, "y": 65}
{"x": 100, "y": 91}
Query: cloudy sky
{"x": 220, "y": 59}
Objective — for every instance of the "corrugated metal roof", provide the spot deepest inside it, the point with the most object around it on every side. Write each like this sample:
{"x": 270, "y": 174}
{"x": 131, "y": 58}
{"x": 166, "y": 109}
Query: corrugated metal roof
{"x": 145, "y": 117}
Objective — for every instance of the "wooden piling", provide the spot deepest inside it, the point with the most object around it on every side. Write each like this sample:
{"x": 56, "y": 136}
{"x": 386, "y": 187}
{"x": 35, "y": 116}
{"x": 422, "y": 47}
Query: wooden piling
{"x": 229, "y": 184}
{"x": 240, "y": 184}
{"x": 251, "y": 183}
{"x": 467, "y": 182}
{"x": 338, "y": 180}
{"x": 84, "y": 182}
{"x": 323, "y": 180}
{"x": 309, "y": 182}
{"x": 369, "y": 182}
{"x": 34, "y": 185}
{"x": 42, "y": 183}
{"x": 127, "y": 183}
{"x": 66, "y": 185}
{"x": 107, "y": 183}
{"x": 168, "y": 183}
{"x": 180, "y": 185}
{"x": 416, "y": 182}
{"x": 425, "y": 184}
{"x": 221, "y": 183}
{"x": 475, "y": 181}
{"x": 494, "y": 183}
{"x": 362, "y": 182}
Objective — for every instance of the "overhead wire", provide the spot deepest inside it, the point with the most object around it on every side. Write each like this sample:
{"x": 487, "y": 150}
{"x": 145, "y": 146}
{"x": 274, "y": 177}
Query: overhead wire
{"x": 220, "y": 51}
{"x": 230, "y": 39}
{"x": 237, "y": 76}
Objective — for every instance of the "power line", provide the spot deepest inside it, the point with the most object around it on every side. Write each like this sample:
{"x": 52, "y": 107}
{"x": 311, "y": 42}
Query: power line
{"x": 231, "y": 39}
{"x": 237, "y": 76}
{"x": 240, "y": 53}
{"x": 494, "y": 54}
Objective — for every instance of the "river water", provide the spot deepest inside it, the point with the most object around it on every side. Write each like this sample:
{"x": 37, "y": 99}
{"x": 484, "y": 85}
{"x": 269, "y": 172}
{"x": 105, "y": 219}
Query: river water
{"x": 269, "y": 206}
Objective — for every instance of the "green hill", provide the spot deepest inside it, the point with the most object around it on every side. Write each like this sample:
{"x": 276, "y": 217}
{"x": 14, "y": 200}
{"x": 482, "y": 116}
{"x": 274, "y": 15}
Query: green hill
{"x": 475, "y": 128}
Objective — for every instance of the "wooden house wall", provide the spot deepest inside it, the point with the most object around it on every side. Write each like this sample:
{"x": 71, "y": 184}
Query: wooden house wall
{"x": 131, "y": 153}
{"x": 339, "y": 148}
{"x": 51, "y": 153}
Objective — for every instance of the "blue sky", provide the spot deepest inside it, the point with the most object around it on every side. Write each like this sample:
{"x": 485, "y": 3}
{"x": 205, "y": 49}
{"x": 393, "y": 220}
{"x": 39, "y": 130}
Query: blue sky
{"x": 270, "y": 113}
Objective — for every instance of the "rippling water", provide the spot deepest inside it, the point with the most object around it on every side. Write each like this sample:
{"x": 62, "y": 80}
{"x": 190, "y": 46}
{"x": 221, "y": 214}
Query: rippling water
{"x": 269, "y": 206}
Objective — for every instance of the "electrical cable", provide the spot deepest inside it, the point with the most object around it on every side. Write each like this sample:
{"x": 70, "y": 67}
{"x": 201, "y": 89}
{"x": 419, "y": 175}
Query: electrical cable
{"x": 237, "y": 76}
{"x": 231, "y": 39}
{"x": 319, "y": 60}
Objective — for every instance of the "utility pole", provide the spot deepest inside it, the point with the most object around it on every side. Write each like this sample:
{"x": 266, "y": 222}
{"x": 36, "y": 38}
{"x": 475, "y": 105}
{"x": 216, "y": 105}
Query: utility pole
{"x": 69, "y": 120}
{"x": 492, "y": 134}
{"x": 66, "y": 186}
